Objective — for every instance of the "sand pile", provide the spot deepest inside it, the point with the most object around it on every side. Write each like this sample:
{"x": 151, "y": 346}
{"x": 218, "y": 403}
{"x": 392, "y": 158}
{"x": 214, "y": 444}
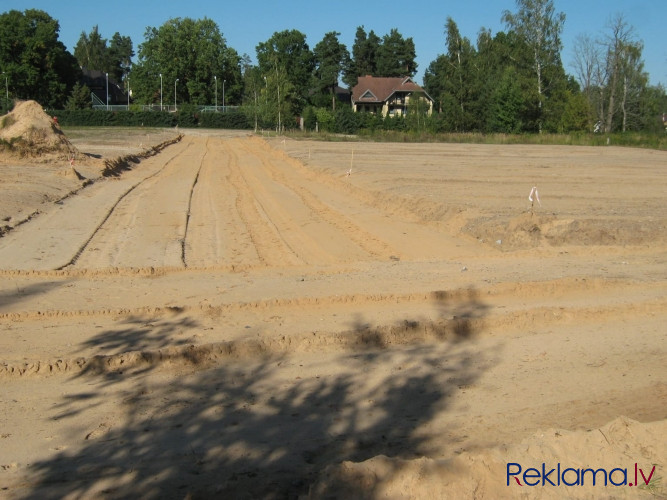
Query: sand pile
{"x": 616, "y": 447}
{"x": 27, "y": 131}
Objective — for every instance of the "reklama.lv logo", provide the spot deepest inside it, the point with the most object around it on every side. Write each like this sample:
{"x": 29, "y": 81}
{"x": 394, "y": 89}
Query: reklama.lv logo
{"x": 572, "y": 476}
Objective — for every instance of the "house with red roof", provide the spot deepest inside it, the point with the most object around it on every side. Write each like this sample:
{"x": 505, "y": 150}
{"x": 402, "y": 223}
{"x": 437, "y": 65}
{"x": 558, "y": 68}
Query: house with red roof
{"x": 389, "y": 96}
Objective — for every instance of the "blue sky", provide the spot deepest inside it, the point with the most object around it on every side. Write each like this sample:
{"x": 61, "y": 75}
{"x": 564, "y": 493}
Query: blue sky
{"x": 246, "y": 23}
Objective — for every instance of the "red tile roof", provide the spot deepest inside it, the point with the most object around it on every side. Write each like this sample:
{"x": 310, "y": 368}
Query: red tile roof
{"x": 379, "y": 89}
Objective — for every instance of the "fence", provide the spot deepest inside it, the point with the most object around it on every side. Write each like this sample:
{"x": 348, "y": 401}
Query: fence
{"x": 165, "y": 107}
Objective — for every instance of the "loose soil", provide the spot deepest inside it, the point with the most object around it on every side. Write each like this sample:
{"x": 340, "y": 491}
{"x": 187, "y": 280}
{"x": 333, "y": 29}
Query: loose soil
{"x": 247, "y": 317}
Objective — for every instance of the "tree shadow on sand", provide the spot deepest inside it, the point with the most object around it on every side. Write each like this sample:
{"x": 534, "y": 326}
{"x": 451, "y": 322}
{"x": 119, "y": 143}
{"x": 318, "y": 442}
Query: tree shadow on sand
{"x": 266, "y": 426}
{"x": 140, "y": 333}
{"x": 24, "y": 292}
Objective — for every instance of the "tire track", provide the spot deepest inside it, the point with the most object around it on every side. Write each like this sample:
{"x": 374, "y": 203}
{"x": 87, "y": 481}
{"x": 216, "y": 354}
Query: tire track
{"x": 83, "y": 247}
{"x": 369, "y": 242}
{"x": 148, "y": 227}
{"x": 218, "y": 237}
{"x": 189, "y": 212}
{"x": 271, "y": 248}
{"x": 424, "y": 210}
{"x": 287, "y": 213}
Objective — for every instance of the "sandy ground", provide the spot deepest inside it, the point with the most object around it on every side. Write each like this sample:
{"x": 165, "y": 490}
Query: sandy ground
{"x": 239, "y": 317}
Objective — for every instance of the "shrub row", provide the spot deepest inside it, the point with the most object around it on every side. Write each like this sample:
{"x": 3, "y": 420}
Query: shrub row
{"x": 420, "y": 128}
{"x": 346, "y": 121}
{"x": 183, "y": 118}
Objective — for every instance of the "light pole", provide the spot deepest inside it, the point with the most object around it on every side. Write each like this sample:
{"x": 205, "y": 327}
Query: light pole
{"x": 128, "y": 92}
{"x": 107, "y": 91}
{"x": 216, "y": 92}
{"x": 278, "y": 87}
{"x": 160, "y": 91}
{"x": 175, "y": 93}
{"x": 223, "y": 95}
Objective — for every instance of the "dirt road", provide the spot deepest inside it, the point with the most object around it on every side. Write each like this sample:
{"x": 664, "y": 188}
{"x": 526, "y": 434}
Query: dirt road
{"x": 235, "y": 315}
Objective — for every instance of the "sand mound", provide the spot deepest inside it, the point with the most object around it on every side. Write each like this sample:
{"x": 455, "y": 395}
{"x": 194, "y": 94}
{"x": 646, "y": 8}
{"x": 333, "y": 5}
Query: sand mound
{"x": 620, "y": 444}
{"x": 27, "y": 131}
{"x": 528, "y": 230}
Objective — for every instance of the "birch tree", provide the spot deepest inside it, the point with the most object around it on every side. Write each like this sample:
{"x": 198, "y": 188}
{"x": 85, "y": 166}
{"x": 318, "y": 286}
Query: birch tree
{"x": 537, "y": 22}
{"x": 623, "y": 65}
{"x": 91, "y": 50}
{"x": 634, "y": 81}
{"x": 587, "y": 65}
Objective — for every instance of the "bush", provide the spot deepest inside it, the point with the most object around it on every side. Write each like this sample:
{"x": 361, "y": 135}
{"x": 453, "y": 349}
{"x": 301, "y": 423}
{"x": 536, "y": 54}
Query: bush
{"x": 396, "y": 123}
{"x": 309, "y": 118}
{"x": 325, "y": 119}
{"x": 346, "y": 121}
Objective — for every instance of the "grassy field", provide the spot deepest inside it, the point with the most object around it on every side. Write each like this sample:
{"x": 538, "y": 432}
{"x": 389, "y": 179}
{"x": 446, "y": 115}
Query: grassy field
{"x": 629, "y": 139}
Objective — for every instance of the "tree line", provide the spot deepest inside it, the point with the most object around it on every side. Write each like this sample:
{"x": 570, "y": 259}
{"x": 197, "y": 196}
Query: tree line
{"x": 510, "y": 82}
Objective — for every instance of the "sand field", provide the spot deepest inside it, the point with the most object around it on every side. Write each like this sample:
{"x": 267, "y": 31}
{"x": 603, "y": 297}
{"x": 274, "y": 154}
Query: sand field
{"x": 247, "y": 317}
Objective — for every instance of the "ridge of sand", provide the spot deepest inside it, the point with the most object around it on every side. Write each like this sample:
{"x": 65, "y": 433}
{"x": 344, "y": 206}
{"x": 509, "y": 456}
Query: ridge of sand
{"x": 620, "y": 444}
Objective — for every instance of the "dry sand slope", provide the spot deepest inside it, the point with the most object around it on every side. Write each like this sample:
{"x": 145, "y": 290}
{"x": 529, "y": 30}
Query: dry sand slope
{"x": 237, "y": 318}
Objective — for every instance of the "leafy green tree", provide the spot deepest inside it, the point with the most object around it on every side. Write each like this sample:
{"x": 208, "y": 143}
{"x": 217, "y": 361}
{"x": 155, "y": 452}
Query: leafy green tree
{"x": 457, "y": 72}
{"x": 653, "y": 104}
{"x": 458, "y": 51}
{"x": 634, "y": 83}
{"x": 94, "y": 53}
{"x": 561, "y": 88}
{"x": 287, "y": 52}
{"x": 331, "y": 58}
{"x": 192, "y": 51}
{"x": 36, "y": 63}
{"x": 277, "y": 93}
{"x": 80, "y": 98}
{"x": 537, "y": 22}
{"x": 345, "y": 121}
{"x": 463, "y": 81}
{"x": 417, "y": 111}
{"x": 507, "y": 104}
{"x": 252, "y": 86}
{"x": 575, "y": 116}
{"x": 396, "y": 56}
{"x": 91, "y": 51}
{"x": 434, "y": 81}
{"x": 494, "y": 55}
{"x": 325, "y": 119}
{"x": 309, "y": 118}
{"x": 510, "y": 49}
